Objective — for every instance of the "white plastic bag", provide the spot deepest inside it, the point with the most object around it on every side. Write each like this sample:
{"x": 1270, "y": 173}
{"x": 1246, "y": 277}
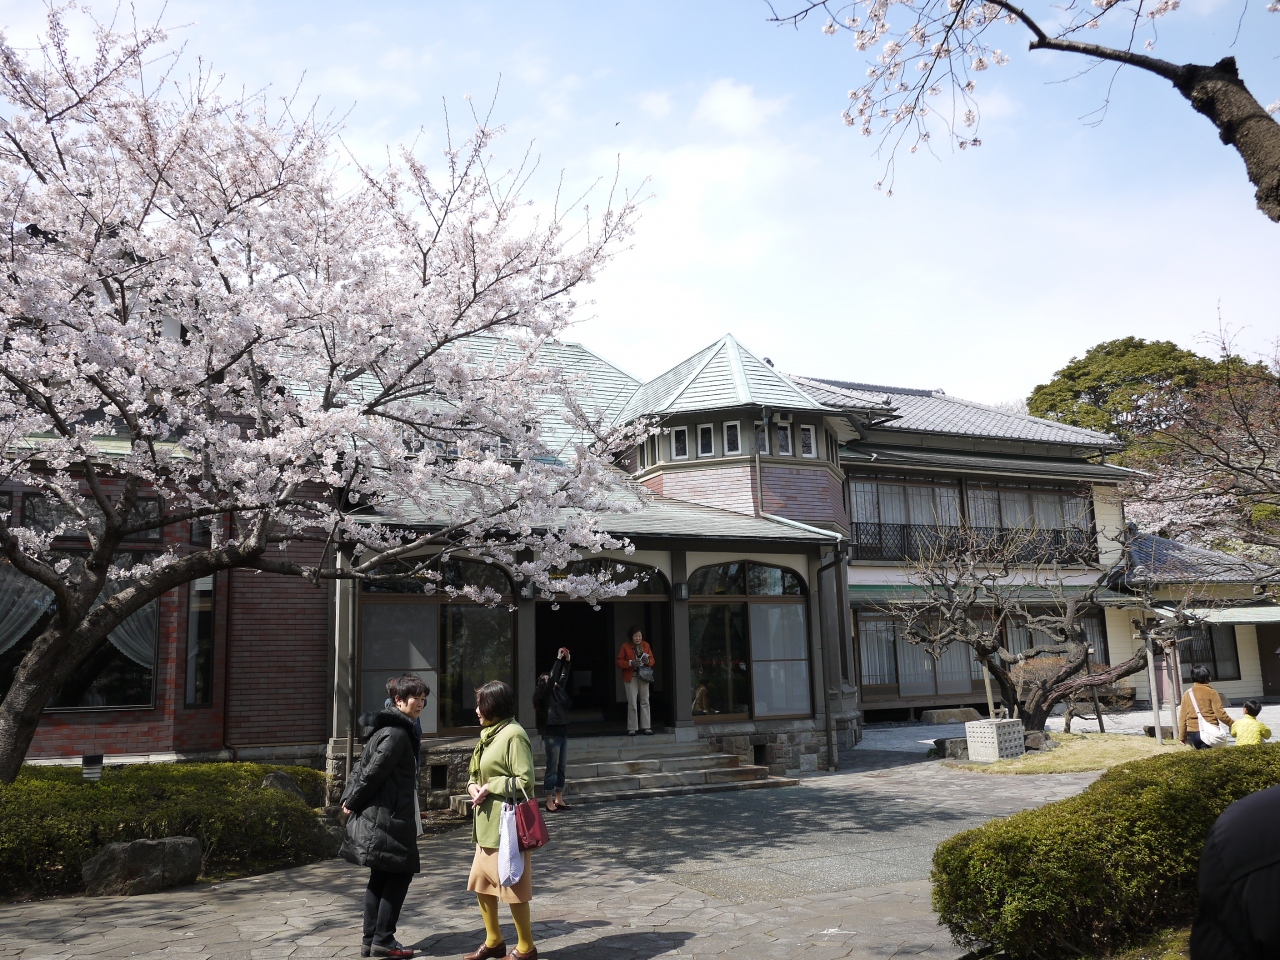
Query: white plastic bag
{"x": 510, "y": 858}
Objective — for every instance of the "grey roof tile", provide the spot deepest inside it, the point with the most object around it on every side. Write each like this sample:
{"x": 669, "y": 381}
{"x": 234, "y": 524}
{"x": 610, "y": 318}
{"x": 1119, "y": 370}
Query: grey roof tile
{"x": 1167, "y": 561}
{"x": 932, "y": 411}
{"x": 1053, "y": 468}
{"x": 722, "y": 376}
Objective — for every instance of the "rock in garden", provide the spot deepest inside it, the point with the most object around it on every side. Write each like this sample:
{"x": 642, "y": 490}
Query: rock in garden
{"x": 953, "y": 748}
{"x": 143, "y": 866}
{"x": 279, "y": 780}
{"x": 955, "y": 715}
{"x": 1035, "y": 740}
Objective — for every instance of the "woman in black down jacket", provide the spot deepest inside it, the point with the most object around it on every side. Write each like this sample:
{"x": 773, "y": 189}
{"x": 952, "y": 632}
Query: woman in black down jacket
{"x": 383, "y": 818}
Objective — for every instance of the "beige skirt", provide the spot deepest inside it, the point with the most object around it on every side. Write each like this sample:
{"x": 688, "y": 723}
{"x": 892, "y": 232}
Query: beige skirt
{"x": 484, "y": 877}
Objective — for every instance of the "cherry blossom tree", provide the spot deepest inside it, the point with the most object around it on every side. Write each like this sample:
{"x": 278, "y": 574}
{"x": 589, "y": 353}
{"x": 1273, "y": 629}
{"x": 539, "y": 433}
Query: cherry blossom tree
{"x": 1212, "y": 475}
{"x": 213, "y": 315}
{"x": 924, "y": 77}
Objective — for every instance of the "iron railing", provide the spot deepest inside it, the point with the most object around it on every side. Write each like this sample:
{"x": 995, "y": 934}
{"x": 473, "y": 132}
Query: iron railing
{"x": 909, "y": 541}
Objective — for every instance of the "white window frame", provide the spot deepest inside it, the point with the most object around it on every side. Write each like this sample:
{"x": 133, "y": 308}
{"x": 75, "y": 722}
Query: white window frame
{"x": 674, "y": 431}
{"x": 791, "y": 447}
{"x": 813, "y": 442}
{"x": 762, "y": 431}
{"x": 711, "y": 432}
{"x": 737, "y": 450}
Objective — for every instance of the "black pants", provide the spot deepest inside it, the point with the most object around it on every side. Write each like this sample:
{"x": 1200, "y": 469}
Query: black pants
{"x": 383, "y": 899}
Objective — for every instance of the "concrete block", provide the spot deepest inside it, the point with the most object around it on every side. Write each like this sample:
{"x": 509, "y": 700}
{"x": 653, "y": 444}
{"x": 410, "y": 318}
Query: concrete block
{"x": 991, "y": 740}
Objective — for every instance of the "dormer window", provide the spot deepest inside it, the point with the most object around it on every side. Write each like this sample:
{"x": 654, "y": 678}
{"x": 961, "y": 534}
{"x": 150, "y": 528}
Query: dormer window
{"x": 680, "y": 443}
{"x": 732, "y": 439}
{"x": 706, "y": 440}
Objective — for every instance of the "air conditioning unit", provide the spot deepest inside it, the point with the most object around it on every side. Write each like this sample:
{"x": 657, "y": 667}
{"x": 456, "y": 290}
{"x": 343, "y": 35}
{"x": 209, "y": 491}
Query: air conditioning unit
{"x": 783, "y": 418}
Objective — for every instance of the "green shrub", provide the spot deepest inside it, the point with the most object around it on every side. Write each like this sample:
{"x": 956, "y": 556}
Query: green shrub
{"x": 1096, "y": 872}
{"x": 51, "y": 820}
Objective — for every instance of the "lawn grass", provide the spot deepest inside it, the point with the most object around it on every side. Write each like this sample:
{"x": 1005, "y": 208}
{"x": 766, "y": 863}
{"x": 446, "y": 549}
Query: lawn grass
{"x": 1172, "y": 944}
{"x": 1078, "y": 752}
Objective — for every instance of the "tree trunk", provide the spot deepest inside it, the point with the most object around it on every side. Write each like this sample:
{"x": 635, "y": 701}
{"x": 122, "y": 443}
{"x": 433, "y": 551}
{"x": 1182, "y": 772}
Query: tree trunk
{"x": 1219, "y": 94}
{"x": 33, "y": 685}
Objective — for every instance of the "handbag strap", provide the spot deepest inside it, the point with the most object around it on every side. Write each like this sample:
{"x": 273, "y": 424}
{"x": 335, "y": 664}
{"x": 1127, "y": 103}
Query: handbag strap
{"x": 1199, "y": 716}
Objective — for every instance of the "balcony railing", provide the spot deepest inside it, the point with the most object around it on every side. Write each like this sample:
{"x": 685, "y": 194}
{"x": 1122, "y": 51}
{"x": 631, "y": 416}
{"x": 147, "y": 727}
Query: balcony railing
{"x": 909, "y": 541}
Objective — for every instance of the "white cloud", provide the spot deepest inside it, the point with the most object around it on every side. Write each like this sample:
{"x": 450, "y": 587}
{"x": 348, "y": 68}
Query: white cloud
{"x": 656, "y": 105}
{"x": 734, "y": 108}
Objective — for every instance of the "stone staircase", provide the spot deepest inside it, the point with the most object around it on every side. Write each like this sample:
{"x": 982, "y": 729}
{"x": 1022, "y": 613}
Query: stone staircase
{"x": 633, "y": 768}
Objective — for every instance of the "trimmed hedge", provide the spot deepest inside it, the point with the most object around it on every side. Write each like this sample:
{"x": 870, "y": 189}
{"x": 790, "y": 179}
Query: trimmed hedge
{"x": 1101, "y": 870}
{"x": 51, "y": 820}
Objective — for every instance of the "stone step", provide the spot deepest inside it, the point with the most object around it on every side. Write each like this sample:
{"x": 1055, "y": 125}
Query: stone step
{"x": 461, "y": 805}
{"x": 621, "y": 749}
{"x": 616, "y": 768}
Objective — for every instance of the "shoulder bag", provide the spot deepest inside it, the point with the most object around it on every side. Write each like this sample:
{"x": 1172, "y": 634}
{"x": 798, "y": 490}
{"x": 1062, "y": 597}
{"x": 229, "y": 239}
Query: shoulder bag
{"x": 1211, "y": 735}
{"x": 531, "y": 829}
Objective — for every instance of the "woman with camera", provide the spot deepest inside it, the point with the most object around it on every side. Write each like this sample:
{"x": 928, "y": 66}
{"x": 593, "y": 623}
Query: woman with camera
{"x": 635, "y": 660}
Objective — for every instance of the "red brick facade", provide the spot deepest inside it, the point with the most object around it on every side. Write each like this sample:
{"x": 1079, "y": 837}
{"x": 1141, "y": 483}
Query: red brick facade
{"x": 810, "y": 494}
{"x": 728, "y": 486}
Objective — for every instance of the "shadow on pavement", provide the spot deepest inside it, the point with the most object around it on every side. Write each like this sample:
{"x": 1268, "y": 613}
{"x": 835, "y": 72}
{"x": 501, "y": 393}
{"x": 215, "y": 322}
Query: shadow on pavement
{"x": 861, "y": 760}
{"x": 625, "y": 946}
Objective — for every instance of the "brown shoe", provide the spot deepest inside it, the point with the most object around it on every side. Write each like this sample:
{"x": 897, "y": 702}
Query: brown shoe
{"x": 488, "y": 953}
{"x": 517, "y": 955}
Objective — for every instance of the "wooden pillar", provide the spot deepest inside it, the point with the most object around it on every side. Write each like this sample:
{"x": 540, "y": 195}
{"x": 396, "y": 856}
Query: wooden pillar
{"x": 682, "y": 686}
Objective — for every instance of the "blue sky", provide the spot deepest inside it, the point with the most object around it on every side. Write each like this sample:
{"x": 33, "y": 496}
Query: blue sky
{"x": 986, "y": 270}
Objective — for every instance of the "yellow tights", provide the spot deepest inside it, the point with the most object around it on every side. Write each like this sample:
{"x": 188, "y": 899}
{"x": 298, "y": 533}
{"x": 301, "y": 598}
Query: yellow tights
{"x": 519, "y": 915}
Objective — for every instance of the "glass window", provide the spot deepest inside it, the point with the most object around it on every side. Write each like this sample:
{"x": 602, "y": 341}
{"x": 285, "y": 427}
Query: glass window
{"x": 984, "y": 506}
{"x": 45, "y": 514}
{"x": 865, "y": 502}
{"x": 763, "y": 581}
{"x": 475, "y": 647}
{"x": 726, "y": 579}
{"x": 955, "y": 671}
{"x": 1015, "y": 507}
{"x": 395, "y": 639}
{"x": 1047, "y": 509}
{"x": 455, "y": 572}
{"x": 718, "y": 658}
{"x": 732, "y": 439}
{"x": 915, "y": 668}
{"x": 1214, "y": 646}
{"x": 808, "y": 447}
{"x": 876, "y": 636}
{"x": 706, "y": 440}
{"x": 680, "y": 443}
{"x": 200, "y": 642}
{"x": 779, "y": 659}
{"x": 784, "y": 439}
{"x": 762, "y": 438}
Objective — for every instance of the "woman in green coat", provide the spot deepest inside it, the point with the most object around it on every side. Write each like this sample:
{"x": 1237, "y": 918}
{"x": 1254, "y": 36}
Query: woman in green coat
{"x": 503, "y": 753}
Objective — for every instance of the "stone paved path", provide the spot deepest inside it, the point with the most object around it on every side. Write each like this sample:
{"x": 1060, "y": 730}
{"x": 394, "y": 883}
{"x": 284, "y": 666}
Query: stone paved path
{"x": 835, "y": 867}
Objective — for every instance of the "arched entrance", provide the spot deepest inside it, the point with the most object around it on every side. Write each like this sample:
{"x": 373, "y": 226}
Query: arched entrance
{"x": 594, "y": 632}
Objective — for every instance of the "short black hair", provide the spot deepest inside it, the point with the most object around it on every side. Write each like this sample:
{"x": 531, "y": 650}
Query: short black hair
{"x": 1252, "y": 707}
{"x": 406, "y": 686}
{"x": 635, "y": 628}
{"x": 1200, "y": 674}
{"x": 496, "y": 701}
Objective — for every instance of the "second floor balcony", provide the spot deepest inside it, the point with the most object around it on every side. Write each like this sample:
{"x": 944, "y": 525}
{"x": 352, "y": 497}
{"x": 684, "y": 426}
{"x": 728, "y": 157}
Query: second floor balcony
{"x": 914, "y": 542}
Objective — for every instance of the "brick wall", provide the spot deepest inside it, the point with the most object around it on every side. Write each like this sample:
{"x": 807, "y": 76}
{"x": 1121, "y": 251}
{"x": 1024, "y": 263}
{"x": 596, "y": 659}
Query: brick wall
{"x": 279, "y": 641}
{"x": 726, "y": 486}
{"x": 807, "y": 494}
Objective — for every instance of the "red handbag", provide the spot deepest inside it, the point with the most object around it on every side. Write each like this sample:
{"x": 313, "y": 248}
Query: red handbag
{"x": 531, "y": 829}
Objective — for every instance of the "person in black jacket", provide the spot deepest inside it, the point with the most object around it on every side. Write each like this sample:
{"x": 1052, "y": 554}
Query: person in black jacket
{"x": 552, "y": 702}
{"x": 1240, "y": 883}
{"x": 383, "y": 814}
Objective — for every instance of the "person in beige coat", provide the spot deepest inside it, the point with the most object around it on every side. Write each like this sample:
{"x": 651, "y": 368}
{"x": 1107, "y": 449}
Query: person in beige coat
{"x": 1209, "y": 702}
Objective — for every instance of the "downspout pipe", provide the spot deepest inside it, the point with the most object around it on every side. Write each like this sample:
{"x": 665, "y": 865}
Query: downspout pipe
{"x": 833, "y": 755}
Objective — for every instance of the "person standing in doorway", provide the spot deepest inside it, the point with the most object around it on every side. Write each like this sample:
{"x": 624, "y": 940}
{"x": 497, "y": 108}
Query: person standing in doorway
{"x": 383, "y": 814}
{"x": 551, "y": 699}
{"x": 635, "y": 659}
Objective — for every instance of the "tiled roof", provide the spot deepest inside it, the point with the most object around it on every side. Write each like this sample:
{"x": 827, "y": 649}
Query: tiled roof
{"x": 1157, "y": 560}
{"x": 932, "y": 411}
{"x": 722, "y": 376}
{"x": 658, "y": 517}
{"x": 914, "y": 458}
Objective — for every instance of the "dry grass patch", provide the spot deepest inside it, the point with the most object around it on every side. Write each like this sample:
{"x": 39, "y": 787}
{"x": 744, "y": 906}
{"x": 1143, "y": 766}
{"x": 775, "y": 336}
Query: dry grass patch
{"x": 1168, "y": 945}
{"x": 1078, "y": 752}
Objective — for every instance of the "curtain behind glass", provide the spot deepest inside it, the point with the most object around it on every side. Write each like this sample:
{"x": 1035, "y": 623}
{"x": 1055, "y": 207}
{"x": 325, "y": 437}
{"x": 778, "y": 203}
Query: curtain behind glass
{"x": 23, "y": 601}
{"x": 915, "y": 668}
{"x": 879, "y": 661}
{"x": 954, "y": 671}
{"x": 136, "y": 636}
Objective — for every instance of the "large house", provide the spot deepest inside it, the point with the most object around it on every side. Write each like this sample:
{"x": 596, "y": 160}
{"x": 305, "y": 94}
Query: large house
{"x": 781, "y": 512}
